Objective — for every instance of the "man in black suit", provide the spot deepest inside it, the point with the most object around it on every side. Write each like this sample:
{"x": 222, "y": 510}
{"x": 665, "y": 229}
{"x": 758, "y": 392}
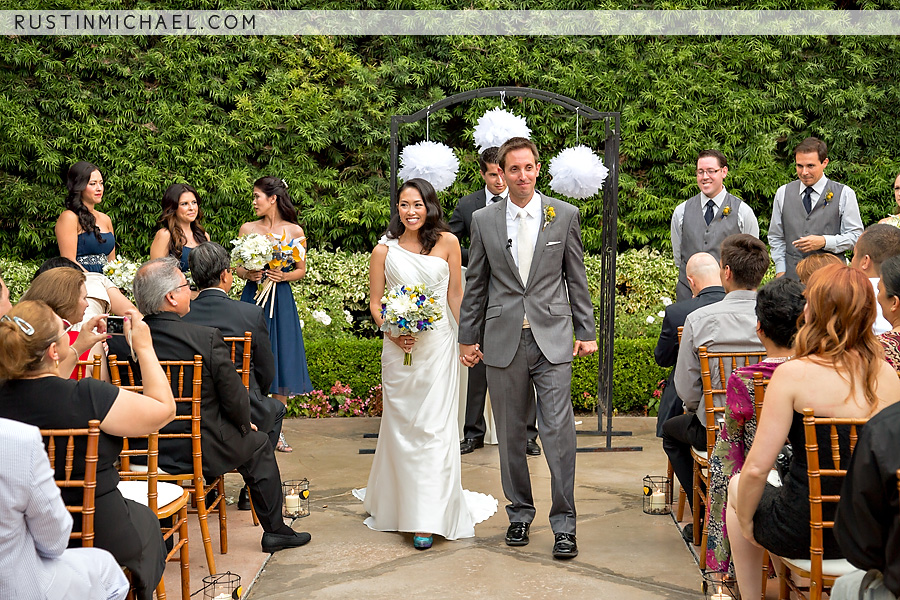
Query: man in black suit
{"x": 494, "y": 190}
{"x": 210, "y": 267}
{"x": 229, "y": 440}
{"x": 706, "y": 286}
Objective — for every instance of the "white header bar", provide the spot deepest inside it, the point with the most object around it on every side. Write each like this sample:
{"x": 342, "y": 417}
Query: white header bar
{"x": 450, "y": 22}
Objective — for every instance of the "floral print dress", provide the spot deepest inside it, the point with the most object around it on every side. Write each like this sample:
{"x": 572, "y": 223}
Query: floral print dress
{"x": 729, "y": 454}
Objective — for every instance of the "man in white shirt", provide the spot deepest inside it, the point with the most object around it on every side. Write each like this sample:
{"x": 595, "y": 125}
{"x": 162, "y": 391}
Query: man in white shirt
{"x": 812, "y": 213}
{"x": 702, "y": 222}
{"x": 878, "y": 243}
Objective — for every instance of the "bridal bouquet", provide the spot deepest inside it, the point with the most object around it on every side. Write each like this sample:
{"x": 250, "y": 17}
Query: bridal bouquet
{"x": 408, "y": 310}
{"x": 121, "y": 272}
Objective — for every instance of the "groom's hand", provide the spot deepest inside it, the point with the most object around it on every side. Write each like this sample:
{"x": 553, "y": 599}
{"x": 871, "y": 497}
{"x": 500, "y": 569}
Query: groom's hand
{"x": 584, "y": 348}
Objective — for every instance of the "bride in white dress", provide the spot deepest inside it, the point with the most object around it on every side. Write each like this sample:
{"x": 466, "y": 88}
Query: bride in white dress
{"x": 414, "y": 485}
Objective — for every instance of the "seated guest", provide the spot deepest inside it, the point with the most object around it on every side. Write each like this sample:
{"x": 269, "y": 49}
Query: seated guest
{"x": 32, "y": 341}
{"x": 725, "y": 326}
{"x": 35, "y": 528}
{"x": 64, "y": 291}
{"x": 877, "y": 243}
{"x": 702, "y": 272}
{"x": 779, "y": 304}
{"x": 102, "y": 294}
{"x": 867, "y": 525}
{"x": 230, "y": 441}
{"x": 210, "y": 267}
{"x": 5, "y": 304}
{"x": 838, "y": 371}
{"x": 889, "y": 300}
{"x": 814, "y": 262}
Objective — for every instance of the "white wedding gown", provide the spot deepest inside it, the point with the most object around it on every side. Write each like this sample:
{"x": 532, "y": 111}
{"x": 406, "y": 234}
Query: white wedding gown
{"x": 414, "y": 485}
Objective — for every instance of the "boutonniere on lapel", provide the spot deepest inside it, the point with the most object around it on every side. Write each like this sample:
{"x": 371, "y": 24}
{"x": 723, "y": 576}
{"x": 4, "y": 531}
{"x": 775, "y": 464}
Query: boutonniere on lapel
{"x": 726, "y": 211}
{"x": 829, "y": 196}
{"x": 549, "y": 215}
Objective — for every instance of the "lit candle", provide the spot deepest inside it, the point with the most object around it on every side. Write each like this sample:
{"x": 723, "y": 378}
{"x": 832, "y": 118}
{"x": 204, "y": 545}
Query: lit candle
{"x": 720, "y": 595}
{"x": 292, "y": 502}
{"x": 658, "y": 501}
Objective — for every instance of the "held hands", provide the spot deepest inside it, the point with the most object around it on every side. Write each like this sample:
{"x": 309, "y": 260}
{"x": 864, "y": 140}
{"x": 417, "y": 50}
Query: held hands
{"x": 87, "y": 337}
{"x": 470, "y": 354}
{"x": 584, "y": 348}
{"x": 810, "y": 243}
{"x": 276, "y": 276}
{"x": 140, "y": 332}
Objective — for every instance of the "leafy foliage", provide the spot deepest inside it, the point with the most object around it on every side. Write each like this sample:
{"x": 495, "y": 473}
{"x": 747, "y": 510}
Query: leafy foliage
{"x": 218, "y": 112}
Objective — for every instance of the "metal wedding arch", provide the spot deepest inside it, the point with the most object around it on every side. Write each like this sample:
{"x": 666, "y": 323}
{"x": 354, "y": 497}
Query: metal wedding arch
{"x": 610, "y": 216}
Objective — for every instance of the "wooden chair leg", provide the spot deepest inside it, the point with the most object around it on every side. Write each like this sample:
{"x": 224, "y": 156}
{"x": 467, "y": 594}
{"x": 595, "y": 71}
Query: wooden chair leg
{"x": 223, "y": 520}
{"x": 204, "y": 534}
{"x": 765, "y": 574}
{"x": 161, "y": 589}
{"x": 703, "y": 540}
{"x": 184, "y": 556}
{"x": 695, "y": 511}
{"x": 682, "y": 501}
{"x": 253, "y": 512}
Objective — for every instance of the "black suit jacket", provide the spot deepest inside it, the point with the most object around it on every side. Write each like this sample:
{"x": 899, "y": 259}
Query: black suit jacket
{"x": 666, "y": 351}
{"x": 213, "y": 308}
{"x": 227, "y": 439}
{"x": 461, "y": 221}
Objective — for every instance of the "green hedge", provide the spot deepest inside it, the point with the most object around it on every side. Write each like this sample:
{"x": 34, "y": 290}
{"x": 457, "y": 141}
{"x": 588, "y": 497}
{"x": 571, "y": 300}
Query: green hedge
{"x": 357, "y": 363}
{"x": 218, "y": 112}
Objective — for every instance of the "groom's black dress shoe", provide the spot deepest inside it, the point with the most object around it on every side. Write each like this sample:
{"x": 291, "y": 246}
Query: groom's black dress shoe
{"x": 470, "y": 445}
{"x": 273, "y": 542}
{"x": 532, "y": 448}
{"x": 243, "y": 502}
{"x": 565, "y": 546}
{"x": 517, "y": 534}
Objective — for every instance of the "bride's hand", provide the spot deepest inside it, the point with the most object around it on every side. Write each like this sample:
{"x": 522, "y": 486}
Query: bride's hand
{"x": 404, "y": 342}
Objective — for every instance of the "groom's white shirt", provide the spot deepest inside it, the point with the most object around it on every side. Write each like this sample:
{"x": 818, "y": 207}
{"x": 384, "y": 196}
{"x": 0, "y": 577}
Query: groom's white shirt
{"x": 532, "y": 221}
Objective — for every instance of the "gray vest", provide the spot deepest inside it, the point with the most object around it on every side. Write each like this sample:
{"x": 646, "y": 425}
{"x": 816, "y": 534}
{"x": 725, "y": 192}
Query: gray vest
{"x": 824, "y": 219}
{"x": 697, "y": 236}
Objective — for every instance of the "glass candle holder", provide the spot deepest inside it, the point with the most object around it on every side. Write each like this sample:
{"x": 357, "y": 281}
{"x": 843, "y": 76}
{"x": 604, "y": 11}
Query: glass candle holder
{"x": 719, "y": 586}
{"x": 656, "y": 495}
{"x": 296, "y": 498}
{"x": 222, "y": 586}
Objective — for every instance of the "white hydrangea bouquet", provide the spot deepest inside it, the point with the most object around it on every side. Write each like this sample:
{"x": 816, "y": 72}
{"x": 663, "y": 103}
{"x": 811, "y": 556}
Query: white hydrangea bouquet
{"x": 121, "y": 272}
{"x": 409, "y": 310}
{"x": 252, "y": 251}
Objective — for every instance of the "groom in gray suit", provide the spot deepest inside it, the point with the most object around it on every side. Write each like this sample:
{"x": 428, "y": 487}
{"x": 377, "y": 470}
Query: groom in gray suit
{"x": 526, "y": 285}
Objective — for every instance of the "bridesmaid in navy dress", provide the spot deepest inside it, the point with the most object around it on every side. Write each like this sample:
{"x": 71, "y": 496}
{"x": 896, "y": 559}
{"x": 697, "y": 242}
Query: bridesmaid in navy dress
{"x": 278, "y": 216}
{"x": 83, "y": 233}
{"x": 181, "y": 229}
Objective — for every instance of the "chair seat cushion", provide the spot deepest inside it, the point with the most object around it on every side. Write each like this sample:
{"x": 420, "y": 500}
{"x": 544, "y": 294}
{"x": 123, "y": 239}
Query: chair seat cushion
{"x": 137, "y": 491}
{"x": 830, "y": 568}
{"x": 701, "y": 454}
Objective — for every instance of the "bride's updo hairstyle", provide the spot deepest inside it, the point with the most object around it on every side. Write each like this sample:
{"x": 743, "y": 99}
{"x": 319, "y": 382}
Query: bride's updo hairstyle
{"x": 430, "y": 232}
{"x": 26, "y": 331}
{"x": 838, "y": 329}
{"x": 272, "y": 186}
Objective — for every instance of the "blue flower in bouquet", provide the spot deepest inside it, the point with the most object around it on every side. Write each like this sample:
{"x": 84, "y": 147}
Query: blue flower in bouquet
{"x": 408, "y": 310}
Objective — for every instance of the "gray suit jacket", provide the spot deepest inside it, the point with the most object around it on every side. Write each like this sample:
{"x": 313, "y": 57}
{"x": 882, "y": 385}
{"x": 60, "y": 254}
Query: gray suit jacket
{"x": 556, "y": 298}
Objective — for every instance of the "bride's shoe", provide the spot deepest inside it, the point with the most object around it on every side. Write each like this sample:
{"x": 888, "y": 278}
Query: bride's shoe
{"x": 421, "y": 542}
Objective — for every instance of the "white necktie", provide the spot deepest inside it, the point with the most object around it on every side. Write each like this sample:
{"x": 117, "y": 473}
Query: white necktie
{"x": 525, "y": 246}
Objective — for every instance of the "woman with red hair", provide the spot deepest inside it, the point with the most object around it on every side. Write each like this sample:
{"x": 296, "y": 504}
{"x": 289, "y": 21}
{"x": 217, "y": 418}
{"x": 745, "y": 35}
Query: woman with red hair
{"x": 838, "y": 370}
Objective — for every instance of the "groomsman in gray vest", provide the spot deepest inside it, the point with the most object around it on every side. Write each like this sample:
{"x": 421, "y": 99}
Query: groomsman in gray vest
{"x": 812, "y": 213}
{"x": 701, "y": 223}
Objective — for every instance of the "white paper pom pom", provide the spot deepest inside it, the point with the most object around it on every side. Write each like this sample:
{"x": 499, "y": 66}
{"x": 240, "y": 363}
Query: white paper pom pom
{"x": 497, "y": 126}
{"x": 577, "y": 173}
{"x": 431, "y": 161}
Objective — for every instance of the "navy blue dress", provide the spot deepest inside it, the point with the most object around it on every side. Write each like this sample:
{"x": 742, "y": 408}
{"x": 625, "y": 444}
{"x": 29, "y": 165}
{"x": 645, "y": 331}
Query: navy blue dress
{"x": 291, "y": 373}
{"x": 91, "y": 254}
{"x": 183, "y": 261}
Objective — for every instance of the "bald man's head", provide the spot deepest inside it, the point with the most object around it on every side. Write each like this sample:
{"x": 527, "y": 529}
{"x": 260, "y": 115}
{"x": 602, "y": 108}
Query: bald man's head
{"x": 702, "y": 271}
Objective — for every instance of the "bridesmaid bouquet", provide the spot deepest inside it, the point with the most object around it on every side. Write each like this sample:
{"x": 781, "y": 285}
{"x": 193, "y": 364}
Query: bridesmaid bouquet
{"x": 408, "y": 310}
{"x": 256, "y": 251}
{"x": 121, "y": 272}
